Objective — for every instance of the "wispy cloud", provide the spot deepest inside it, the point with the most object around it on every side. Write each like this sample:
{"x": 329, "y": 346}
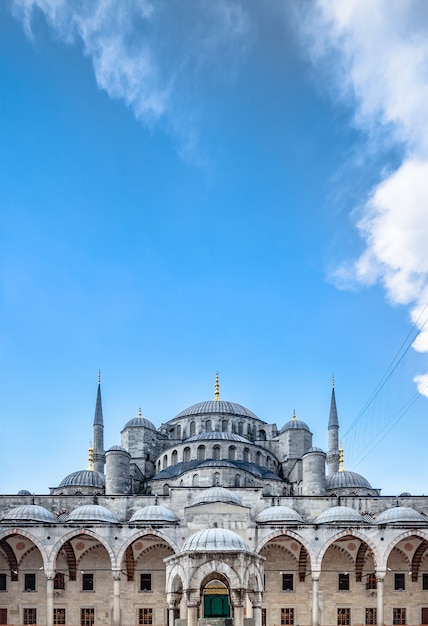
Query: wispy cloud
{"x": 378, "y": 56}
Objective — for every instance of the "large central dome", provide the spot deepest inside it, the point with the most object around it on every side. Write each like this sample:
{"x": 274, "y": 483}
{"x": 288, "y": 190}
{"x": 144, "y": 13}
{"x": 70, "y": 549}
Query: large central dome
{"x": 217, "y": 406}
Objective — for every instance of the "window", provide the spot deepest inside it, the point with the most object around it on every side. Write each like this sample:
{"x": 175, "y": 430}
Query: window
{"x": 145, "y": 616}
{"x": 343, "y": 617}
{"x": 192, "y": 429}
{"x": 3, "y": 586}
{"x": 3, "y": 616}
{"x": 425, "y": 582}
{"x": 87, "y": 582}
{"x": 287, "y": 582}
{"x": 186, "y": 455}
{"x": 87, "y": 617}
{"x": 371, "y": 616}
{"x": 145, "y": 582}
{"x": 30, "y": 582}
{"x": 201, "y": 453}
{"x": 344, "y": 582}
{"x": 59, "y": 581}
{"x": 59, "y": 616}
{"x": 216, "y": 453}
{"x": 232, "y": 453}
{"x": 29, "y": 616}
{"x": 287, "y": 616}
{"x": 398, "y": 616}
{"x": 399, "y": 582}
{"x": 371, "y": 581}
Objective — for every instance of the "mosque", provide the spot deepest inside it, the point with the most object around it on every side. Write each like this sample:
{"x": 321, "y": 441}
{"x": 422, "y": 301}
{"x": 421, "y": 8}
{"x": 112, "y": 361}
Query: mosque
{"x": 216, "y": 518}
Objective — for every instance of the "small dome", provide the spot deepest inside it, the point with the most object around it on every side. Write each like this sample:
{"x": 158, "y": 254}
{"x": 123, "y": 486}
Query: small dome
{"x": 346, "y": 480}
{"x": 279, "y": 514}
{"x": 294, "y": 424}
{"x": 24, "y": 492}
{"x": 30, "y": 513}
{"x": 139, "y": 422}
{"x": 217, "y": 494}
{"x": 154, "y": 514}
{"x": 84, "y": 478}
{"x": 217, "y": 406}
{"x": 339, "y": 514}
{"x": 314, "y": 449}
{"x": 217, "y": 435}
{"x": 92, "y": 513}
{"x": 401, "y": 515}
{"x": 118, "y": 449}
{"x": 215, "y": 540}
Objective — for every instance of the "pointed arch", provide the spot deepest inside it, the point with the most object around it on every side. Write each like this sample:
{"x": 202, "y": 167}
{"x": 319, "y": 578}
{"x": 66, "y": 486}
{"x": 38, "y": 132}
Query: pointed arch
{"x": 417, "y": 559}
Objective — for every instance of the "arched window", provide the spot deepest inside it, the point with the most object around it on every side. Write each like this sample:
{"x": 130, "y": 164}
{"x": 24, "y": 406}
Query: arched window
{"x": 216, "y": 479}
{"x": 201, "y": 453}
{"x": 195, "y": 480}
{"x": 174, "y": 457}
{"x": 216, "y": 453}
{"x": 186, "y": 455}
{"x": 267, "y": 490}
{"x": 268, "y": 462}
{"x": 240, "y": 428}
{"x": 246, "y": 455}
{"x": 262, "y": 435}
{"x": 237, "y": 480}
{"x": 258, "y": 457}
{"x": 232, "y": 453}
{"x": 192, "y": 429}
{"x": 165, "y": 462}
{"x": 178, "y": 431}
{"x": 225, "y": 426}
{"x": 159, "y": 466}
{"x": 208, "y": 426}
{"x": 166, "y": 490}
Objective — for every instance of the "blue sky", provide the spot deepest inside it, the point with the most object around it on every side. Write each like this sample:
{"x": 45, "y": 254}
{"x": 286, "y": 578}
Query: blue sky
{"x": 191, "y": 187}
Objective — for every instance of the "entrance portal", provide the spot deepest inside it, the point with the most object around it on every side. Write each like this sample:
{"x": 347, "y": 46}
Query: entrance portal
{"x": 216, "y": 600}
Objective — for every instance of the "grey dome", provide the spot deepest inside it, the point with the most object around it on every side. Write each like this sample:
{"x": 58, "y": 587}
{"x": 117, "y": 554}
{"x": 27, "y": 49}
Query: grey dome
{"x": 400, "y": 515}
{"x": 217, "y": 494}
{"x": 339, "y": 514}
{"x": 214, "y": 434}
{"x": 217, "y": 406}
{"x": 92, "y": 513}
{"x": 294, "y": 424}
{"x": 154, "y": 513}
{"x": 84, "y": 478}
{"x": 118, "y": 449}
{"x": 24, "y": 492}
{"x": 314, "y": 449}
{"x": 139, "y": 422}
{"x": 276, "y": 514}
{"x": 346, "y": 480}
{"x": 30, "y": 513}
{"x": 215, "y": 540}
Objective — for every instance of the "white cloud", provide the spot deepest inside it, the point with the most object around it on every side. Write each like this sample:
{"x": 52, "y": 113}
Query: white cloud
{"x": 378, "y": 56}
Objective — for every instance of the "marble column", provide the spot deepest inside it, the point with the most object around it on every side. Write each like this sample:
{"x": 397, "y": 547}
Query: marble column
{"x": 380, "y": 578}
{"x": 116, "y": 598}
{"x": 49, "y": 597}
{"x": 315, "y": 598}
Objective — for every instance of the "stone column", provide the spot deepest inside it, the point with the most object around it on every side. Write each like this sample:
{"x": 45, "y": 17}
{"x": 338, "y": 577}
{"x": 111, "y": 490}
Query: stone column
{"x": 380, "y": 578}
{"x": 116, "y": 597}
{"x": 256, "y": 600}
{"x": 192, "y": 615}
{"x": 315, "y": 598}
{"x": 238, "y": 607}
{"x": 49, "y": 597}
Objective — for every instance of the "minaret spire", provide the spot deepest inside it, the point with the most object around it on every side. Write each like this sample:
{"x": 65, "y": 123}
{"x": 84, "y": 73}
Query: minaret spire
{"x": 217, "y": 388}
{"x": 333, "y": 434}
{"x": 98, "y": 449}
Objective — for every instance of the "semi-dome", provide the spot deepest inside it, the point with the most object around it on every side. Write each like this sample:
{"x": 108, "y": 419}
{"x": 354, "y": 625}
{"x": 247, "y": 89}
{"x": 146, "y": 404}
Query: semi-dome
{"x": 216, "y": 494}
{"x": 401, "y": 515}
{"x": 217, "y": 406}
{"x": 30, "y": 513}
{"x": 215, "y": 540}
{"x": 214, "y": 434}
{"x": 92, "y": 513}
{"x": 339, "y": 515}
{"x": 346, "y": 480}
{"x": 154, "y": 514}
{"x": 279, "y": 514}
{"x": 84, "y": 478}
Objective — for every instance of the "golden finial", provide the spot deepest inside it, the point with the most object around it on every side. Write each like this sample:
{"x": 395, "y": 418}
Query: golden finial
{"x": 140, "y": 415}
{"x": 91, "y": 457}
{"x": 341, "y": 468}
{"x": 217, "y": 388}
{"x": 294, "y": 415}
{"x": 332, "y": 380}
{"x": 99, "y": 376}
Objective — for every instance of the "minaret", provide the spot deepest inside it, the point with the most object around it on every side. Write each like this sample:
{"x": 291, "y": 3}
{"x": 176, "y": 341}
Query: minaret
{"x": 98, "y": 450}
{"x": 333, "y": 435}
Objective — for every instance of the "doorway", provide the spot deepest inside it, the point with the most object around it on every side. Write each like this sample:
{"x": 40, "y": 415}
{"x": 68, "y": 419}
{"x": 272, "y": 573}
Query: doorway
{"x": 216, "y": 600}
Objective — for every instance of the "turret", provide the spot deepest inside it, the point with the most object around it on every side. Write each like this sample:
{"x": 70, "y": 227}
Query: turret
{"x": 333, "y": 435}
{"x": 98, "y": 452}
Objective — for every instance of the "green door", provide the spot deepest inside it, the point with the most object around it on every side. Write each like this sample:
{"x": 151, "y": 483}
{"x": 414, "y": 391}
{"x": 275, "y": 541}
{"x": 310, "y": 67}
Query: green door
{"x": 216, "y": 605}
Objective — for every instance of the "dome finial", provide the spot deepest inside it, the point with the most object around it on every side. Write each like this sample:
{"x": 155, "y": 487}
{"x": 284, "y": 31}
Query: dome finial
{"x": 294, "y": 415}
{"x": 140, "y": 415}
{"x": 341, "y": 468}
{"x": 217, "y": 388}
{"x": 91, "y": 457}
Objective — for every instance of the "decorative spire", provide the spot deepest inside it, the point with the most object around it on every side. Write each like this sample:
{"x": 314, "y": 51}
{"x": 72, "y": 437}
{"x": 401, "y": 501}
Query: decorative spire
{"x": 341, "y": 468}
{"x": 99, "y": 377}
{"x": 91, "y": 457}
{"x": 294, "y": 415}
{"x": 332, "y": 381}
{"x": 217, "y": 388}
{"x": 98, "y": 418}
{"x": 333, "y": 421}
